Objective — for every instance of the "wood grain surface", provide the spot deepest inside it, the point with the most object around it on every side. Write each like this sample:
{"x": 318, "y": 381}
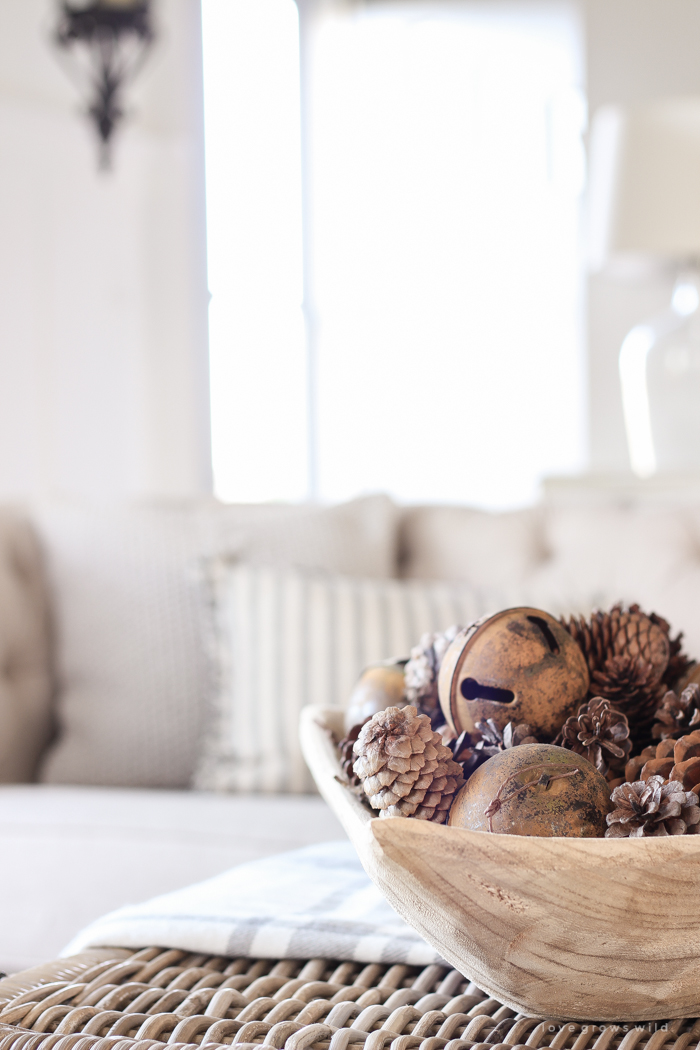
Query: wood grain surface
{"x": 574, "y": 929}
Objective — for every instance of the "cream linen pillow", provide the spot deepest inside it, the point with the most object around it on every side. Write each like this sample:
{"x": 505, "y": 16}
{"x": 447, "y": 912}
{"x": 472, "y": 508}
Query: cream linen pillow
{"x": 478, "y": 547}
{"x": 284, "y": 639}
{"x": 130, "y": 614}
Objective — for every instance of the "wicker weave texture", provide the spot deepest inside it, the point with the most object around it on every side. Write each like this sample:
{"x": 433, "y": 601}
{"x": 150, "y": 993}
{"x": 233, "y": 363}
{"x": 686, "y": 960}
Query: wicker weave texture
{"x": 155, "y": 998}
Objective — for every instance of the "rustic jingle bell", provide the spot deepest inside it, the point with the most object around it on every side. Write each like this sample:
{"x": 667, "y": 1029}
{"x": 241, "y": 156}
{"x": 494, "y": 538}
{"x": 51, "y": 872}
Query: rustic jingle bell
{"x": 534, "y": 789}
{"x": 519, "y": 665}
{"x": 378, "y": 687}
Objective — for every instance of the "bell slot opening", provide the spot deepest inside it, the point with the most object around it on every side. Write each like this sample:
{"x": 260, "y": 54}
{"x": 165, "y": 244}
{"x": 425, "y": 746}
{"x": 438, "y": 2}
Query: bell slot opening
{"x": 473, "y": 690}
{"x": 546, "y": 631}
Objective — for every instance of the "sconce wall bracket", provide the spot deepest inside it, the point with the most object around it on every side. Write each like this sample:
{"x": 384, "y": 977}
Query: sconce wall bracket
{"x": 112, "y": 38}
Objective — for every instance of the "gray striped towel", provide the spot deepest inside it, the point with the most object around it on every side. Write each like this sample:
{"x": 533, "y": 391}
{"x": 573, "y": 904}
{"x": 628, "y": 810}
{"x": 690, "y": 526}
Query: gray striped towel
{"x": 315, "y": 902}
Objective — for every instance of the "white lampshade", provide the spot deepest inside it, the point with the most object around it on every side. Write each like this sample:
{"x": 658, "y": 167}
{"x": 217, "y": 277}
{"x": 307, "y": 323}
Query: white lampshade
{"x": 644, "y": 186}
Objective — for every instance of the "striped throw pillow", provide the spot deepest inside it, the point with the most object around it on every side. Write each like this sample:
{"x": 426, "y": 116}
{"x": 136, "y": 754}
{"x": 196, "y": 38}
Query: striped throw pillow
{"x": 286, "y": 638}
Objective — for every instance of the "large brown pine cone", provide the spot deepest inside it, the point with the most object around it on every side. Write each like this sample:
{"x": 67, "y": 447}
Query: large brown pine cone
{"x": 677, "y": 760}
{"x": 651, "y": 808}
{"x": 628, "y": 656}
{"x": 622, "y": 632}
{"x": 679, "y": 663}
{"x": 422, "y": 670}
{"x": 634, "y": 688}
{"x": 405, "y": 769}
{"x": 677, "y": 714}
{"x": 600, "y": 733}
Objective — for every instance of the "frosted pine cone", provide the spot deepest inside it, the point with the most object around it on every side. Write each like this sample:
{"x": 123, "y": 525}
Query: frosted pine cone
{"x": 600, "y": 733}
{"x": 422, "y": 670}
{"x": 652, "y": 808}
{"x": 405, "y": 769}
{"x": 677, "y": 714}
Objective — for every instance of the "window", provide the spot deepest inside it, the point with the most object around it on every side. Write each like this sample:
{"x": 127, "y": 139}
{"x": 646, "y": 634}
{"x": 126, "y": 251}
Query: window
{"x": 444, "y": 172}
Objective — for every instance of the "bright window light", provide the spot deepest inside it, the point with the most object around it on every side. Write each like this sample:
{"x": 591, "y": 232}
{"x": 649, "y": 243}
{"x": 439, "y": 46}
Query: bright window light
{"x": 445, "y": 171}
{"x": 257, "y": 346}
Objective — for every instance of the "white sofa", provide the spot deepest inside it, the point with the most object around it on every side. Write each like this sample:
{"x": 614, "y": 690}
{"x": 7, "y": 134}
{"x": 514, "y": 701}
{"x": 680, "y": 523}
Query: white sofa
{"x": 104, "y": 677}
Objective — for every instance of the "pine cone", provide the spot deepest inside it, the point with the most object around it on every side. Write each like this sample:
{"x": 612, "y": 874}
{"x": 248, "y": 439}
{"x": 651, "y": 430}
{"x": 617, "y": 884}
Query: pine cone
{"x": 633, "y": 687}
{"x": 422, "y": 670}
{"x": 622, "y": 632}
{"x": 677, "y": 713}
{"x": 679, "y": 664}
{"x": 471, "y": 755}
{"x": 628, "y": 657}
{"x": 347, "y": 757}
{"x": 677, "y": 760}
{"x": 600, "y": 733}
{"x": 650, "y": 807}
{"x": 635, "y": 765}
{"x": 405, "y": 769}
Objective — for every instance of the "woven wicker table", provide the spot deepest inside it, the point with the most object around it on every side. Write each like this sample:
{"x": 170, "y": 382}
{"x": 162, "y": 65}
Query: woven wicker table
{"x": 114, "y": 999}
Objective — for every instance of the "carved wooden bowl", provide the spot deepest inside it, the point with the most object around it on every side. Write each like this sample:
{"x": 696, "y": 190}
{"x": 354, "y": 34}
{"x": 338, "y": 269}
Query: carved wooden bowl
{"x": 575, "y": 929}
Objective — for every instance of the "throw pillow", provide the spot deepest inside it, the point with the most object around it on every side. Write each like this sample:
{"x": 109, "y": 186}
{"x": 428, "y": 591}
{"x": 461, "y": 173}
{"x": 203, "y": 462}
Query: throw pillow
{"x": 129, "y": 614}
{"x": 284, "y": 639}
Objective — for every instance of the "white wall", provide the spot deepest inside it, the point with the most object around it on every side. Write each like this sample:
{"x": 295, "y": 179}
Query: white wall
{"x": 636, "y": 50}
{"x": 103, "y": 299}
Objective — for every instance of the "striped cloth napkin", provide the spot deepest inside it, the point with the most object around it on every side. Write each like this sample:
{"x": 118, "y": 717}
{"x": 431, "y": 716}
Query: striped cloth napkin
{"x": 315, "y": 902}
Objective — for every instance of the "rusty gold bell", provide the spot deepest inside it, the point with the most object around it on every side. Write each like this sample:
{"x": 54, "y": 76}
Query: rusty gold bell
{"x": 534, "y": 789}
{"x": 519, "y": 665}
{"x": 378, "y": 687}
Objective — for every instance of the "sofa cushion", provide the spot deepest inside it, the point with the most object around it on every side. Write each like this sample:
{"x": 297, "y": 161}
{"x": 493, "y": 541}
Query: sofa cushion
{"x": 130, "y": 610}
{"x": 476, "y": 546}
{"x": 71, "y": 854}
{"x": 567, "y": 558}
{"x": 286, "y": 638}
{"x": 650, "y": 555}
{"x": 25, "y": 675}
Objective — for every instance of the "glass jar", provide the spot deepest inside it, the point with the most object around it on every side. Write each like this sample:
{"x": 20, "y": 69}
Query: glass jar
{"x": 660, "y": 378}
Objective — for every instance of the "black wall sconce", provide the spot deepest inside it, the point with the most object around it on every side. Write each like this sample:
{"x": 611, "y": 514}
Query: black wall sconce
{"x": 107, "y": 42}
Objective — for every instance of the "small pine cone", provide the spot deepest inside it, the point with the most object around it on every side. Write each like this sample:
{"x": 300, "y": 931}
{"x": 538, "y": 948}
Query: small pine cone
{"x": 635, "y": 765}
{"x": 471, "y": 754}
{"x": 652, "y": 808}
{"x": 522, "y": 733}
{"x": 405, "y": 769}
{"x": 514, "y": 734}
{"x": 600, "y": 733}
{"x": 347, "y": 757}
{"x": 671, "y": 759}
{"x": 677, "y": 713}
{"x": 422, "y": 670}
{"x": 686, "y": 761}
